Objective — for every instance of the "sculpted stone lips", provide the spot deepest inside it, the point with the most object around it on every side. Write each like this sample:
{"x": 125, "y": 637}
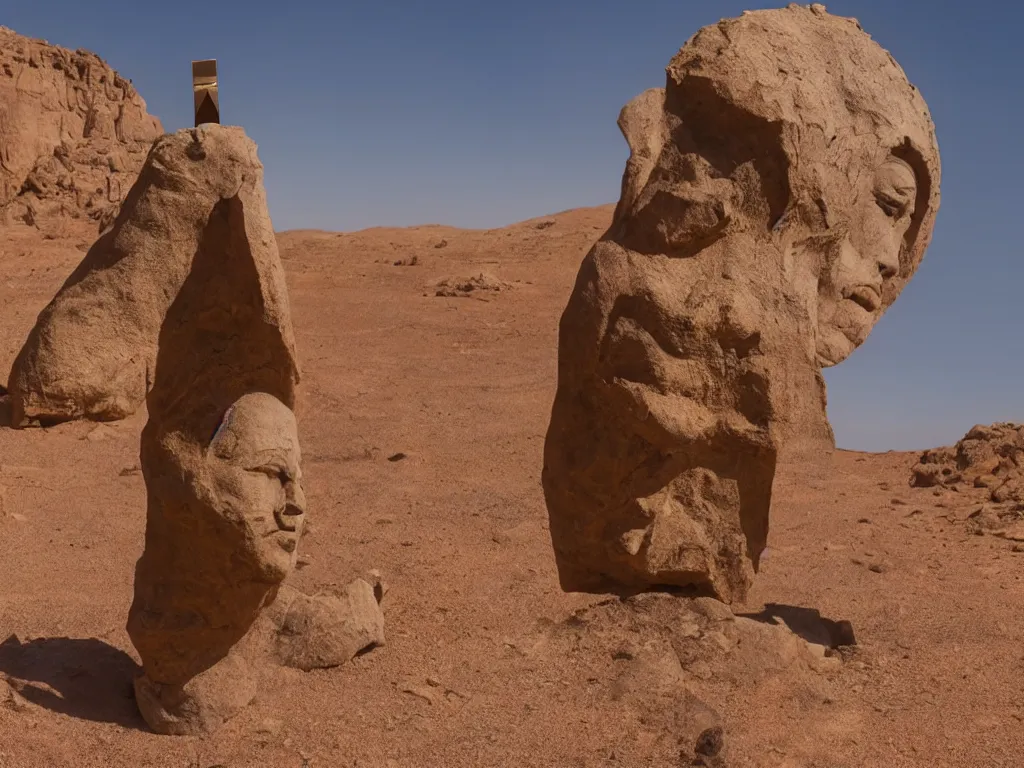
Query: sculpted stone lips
{"x": 865, "y": 296}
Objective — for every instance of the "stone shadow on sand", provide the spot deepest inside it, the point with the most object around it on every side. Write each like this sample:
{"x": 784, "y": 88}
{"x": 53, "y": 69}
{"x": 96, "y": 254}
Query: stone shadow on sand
{"x": 5, "y": 407}
{"x": 807, "y": 623}
{"x": 84, "y": 678}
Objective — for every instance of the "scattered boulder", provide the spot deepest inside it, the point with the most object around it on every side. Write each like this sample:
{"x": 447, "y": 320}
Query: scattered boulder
{"x": 990, "y": 457}
{"x": 73, "y": 134}
{"x": 463, "y": 287}
{"x": 322, "y": 631}
{"x": 780, "y": 192}
{"x": 93, "y": 350}
{"x": 988, "y": 460}
{"x": 220, "y": 452}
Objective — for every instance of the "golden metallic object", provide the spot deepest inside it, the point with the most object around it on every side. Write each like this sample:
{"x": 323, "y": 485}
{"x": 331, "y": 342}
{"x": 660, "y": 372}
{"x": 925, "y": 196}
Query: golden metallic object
{"x": 204, "y": 91}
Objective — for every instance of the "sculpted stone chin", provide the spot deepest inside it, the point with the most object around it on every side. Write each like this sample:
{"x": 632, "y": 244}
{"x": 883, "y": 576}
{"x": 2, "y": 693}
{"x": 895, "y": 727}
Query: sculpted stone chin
{"x": 780, "y": 192}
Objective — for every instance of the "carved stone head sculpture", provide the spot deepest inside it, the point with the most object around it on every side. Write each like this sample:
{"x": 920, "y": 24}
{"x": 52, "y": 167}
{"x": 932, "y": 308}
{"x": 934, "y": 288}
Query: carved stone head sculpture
{"x": 220, "y": 457}
{"x": 780, "y": 192}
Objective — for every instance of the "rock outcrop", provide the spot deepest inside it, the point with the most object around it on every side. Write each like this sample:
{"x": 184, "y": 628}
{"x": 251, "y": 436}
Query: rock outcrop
{"x": 93, "y": 349}
{"x": 989, "y": 461}
{"x": 73, "y": 134}
{"x": 780, "y": 192}
{"x": 220, "y": 452}
{"x": 989, "y": 457}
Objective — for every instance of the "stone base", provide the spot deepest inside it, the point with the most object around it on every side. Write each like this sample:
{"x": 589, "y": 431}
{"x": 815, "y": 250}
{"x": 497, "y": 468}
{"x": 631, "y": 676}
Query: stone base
{"x": 200, "y": 706}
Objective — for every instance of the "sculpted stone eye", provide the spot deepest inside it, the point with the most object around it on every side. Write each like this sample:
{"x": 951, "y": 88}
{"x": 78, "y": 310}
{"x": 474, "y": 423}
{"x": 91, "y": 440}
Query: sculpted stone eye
{"x": 276, "y": 473}
{"x": 892, "y": 207}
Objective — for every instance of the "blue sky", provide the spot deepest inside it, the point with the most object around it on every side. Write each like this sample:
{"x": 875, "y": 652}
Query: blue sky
{"x": 481, "y": 114}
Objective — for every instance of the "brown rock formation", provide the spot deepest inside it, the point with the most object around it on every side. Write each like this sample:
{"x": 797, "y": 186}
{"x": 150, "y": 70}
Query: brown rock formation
{"x": 322, "y": 631}
{"x": 92, "y": 351}
{"x": 220, "y": 452}
{"x": 989, "y": 457}
{"x": 73, "y": 133}
{"x": 780, "y": 192}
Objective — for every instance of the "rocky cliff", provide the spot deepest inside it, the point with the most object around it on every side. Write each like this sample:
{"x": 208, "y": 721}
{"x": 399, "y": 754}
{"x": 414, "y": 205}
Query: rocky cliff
{"x": 73, "y": 134}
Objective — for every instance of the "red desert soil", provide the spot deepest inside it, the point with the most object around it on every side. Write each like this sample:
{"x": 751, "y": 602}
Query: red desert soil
{"x": 422, "y": 419}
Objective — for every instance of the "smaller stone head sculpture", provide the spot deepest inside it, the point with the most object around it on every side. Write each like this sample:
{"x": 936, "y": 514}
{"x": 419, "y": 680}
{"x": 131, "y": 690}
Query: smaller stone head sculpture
{"x": 254, "y": 461}
{"x": 780, "y": 192}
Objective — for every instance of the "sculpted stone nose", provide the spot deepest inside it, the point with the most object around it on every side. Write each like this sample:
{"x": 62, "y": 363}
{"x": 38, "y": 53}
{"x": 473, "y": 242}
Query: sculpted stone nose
{"x": 889, "y": 265}
{"x": 295, "y": 500}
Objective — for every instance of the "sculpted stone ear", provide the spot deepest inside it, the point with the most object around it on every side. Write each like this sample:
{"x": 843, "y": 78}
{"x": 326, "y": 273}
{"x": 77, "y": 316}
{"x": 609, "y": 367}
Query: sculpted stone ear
{"x": 642, "y": 122}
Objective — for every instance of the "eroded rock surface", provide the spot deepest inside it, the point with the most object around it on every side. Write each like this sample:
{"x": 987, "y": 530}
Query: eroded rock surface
{"x": 73, "y": 134}
{"x": 989, "y": 459}
{"x": 681, "y": 666}
{"x": 780, "y": 192}
{"x": 220, "y": 452}
{"x": 325, "y": 630}
{"x": 93, "y": 349}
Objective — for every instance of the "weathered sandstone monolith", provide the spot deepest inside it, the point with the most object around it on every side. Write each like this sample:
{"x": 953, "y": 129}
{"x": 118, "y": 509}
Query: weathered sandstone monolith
{"x": 73, "y": 134}
{"x": 780, "y": 192}
{"x": 220, "y": 452}
{"x": 92, "y": 351}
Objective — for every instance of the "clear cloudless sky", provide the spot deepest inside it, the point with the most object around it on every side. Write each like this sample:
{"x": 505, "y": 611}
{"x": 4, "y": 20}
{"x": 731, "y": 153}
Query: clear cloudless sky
{"x": 480, "y": 114}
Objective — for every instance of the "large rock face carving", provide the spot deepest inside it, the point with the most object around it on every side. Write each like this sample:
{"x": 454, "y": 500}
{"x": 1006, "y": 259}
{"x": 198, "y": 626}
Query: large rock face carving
{"x": 92, "y": 351}
{"x": 73, "y": 133}
{"x": 780, "y": 192}
{"x": 220, "y": 452}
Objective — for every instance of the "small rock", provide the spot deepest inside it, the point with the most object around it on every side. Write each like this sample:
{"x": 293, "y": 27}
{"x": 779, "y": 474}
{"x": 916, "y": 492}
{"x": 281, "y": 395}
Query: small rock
{"x": 101, "y": 433}
{"x": 11, "y": 699}
{"x": 712, "y": 609}
{"x": 270, "y": 727}
{"x": 1014, "y": 532}
{"x": 397, "y": 456}
{"x": 323, "y": 631}
{"x": 710, "y": 742}
{"x": 420, "y": 692}
{"x": 877, "y": 568}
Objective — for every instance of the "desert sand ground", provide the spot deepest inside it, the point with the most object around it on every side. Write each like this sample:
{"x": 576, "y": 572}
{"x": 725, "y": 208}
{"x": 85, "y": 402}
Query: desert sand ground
{"x": 422, "y": 421}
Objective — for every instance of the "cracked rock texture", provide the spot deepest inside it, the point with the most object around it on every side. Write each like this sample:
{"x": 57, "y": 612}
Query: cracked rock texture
{"x": 73, "y": 134}
{"x": 92, "y": 351}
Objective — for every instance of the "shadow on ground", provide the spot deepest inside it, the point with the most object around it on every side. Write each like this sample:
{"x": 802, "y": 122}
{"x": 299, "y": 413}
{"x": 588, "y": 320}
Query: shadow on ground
{"x": 82, "y": 678}
{"x": 807, "y": 623}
